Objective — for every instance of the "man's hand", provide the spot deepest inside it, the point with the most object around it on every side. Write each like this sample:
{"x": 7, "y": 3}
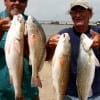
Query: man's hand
{"x": 53, "y": 40}
{"x": 96, "y": 39}
{"x": 4, "y": 25}
{"x": 51, "y": 45}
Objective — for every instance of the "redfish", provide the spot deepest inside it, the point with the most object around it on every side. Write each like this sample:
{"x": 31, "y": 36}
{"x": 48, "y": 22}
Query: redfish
{"x": 61, "y": 65}
{"x": 37, "y": 48}
{"x": 14, "y": 53}
{"x": 85, "y": 67}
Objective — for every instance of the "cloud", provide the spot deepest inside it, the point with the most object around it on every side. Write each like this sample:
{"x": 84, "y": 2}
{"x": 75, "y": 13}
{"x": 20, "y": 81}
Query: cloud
{"x": 54, "y": 9}
{"x": 47, "y": 9}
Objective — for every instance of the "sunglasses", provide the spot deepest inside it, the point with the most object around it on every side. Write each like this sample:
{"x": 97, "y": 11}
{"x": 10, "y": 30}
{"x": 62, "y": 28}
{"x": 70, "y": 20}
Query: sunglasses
{"x": 21, "y": 1}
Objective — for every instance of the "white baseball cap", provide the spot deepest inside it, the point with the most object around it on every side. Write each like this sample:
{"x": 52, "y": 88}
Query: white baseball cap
{"x": 82, "y": 3}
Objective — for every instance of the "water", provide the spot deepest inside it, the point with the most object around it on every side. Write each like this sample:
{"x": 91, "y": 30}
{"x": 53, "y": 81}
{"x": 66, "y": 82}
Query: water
{"x": 53, "y": 28}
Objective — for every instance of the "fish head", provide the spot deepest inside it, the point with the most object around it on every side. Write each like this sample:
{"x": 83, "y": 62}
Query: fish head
{"x": 33, "y": 27}
{"x": 65, "y": 42}
{"x": 31, "y": 23}
{"x": 86, "y": 42}
{"x": 17, "y": 25}
{"x": 18, "y": 20}
{"x": 65, "y": 38}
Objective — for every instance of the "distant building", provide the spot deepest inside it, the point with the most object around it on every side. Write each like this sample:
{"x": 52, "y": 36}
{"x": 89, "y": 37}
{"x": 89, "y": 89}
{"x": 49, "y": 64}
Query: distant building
{"x": 54, "y": 22}
{"x": 98, "y": 23}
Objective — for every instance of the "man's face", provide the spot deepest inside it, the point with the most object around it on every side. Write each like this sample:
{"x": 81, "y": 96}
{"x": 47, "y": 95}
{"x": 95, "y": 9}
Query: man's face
{"x": 15, "y": 6}
{"x": 80, "y": 15}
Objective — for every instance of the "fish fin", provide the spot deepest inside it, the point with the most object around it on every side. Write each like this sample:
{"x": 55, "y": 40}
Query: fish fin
{"x": 17, "y": 46}
{"x": 60, "y": 97}
{"x": 7, "y": 48}
{"x": 88, "y": 45}
{"x": 87, "y": 42}
{"x": 30, "y": 63}
{"x": 90, "y": 92}
{"x": 97, "y": 63}
{"x": 61, "y": 61}
{"x": 11, "y": 80}
{"x": 35, "y": 81}
{"x": 32, "y": 39}
{"x": 42, "y": 62}
{"x": 25, "y": 32}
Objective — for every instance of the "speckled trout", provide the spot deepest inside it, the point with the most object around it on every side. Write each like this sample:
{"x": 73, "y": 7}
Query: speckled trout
{"x": 37, "y": 48}
{"x": 85, "y": 67}
{"x": 60, "y": 65}
{"x": 14, "y": 53}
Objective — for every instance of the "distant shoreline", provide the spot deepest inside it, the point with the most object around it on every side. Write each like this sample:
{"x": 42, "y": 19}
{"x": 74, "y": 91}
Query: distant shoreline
{"x": 64, "y": 23}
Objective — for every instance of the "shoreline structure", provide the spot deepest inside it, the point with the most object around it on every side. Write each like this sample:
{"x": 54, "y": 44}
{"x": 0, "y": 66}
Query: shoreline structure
{"x": 65, "y": 22}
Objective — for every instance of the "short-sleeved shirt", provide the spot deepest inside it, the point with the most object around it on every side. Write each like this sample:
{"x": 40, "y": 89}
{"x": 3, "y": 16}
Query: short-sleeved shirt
{"x": 75, "y": 40}
{"x": 6, "y": 89}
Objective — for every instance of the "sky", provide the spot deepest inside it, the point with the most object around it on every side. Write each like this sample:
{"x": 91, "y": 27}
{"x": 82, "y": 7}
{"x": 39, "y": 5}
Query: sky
{"x": 56, "y": 10}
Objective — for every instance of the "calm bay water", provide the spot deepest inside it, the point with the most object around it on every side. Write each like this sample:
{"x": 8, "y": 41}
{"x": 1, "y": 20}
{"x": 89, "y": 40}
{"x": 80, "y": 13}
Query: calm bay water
{"x": 52, "y": 28}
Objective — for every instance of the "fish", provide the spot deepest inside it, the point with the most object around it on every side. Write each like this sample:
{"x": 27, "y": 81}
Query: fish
{"x": 37, "y": 48}
{"x": 86, "y": 63}
{"x": 14, "y": 53}
{"x": 61, "y": 66}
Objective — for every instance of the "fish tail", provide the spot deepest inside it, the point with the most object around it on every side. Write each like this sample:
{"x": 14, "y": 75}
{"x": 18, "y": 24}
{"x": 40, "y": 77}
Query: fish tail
{"x": 60, "y": 97}
{"x": 35, "y": 81}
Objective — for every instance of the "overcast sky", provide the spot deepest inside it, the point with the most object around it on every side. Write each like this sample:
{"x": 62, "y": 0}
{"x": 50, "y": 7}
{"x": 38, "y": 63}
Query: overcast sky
{"x": 55, "y": 9}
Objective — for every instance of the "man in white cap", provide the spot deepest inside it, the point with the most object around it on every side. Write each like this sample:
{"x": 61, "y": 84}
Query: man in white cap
{"x": 80, "y": 12}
